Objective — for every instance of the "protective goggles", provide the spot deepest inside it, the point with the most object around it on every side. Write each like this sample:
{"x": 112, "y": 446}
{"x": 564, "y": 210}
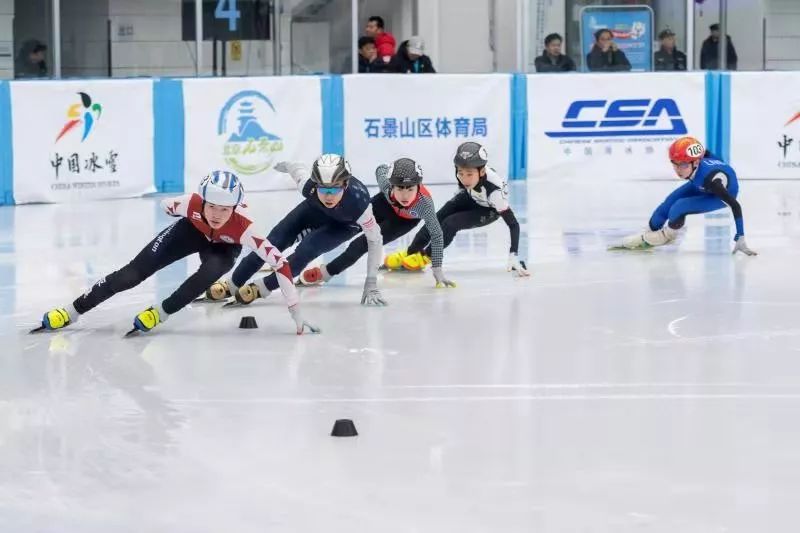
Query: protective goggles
{"x": 681, "y": 164}
{"x": 329, "y": 190}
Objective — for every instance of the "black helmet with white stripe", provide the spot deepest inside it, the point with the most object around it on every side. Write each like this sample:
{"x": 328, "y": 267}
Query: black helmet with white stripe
{"x": 471, "y": 155}
{"x": 330, "y": 170}
{"x": 405, "y": 172}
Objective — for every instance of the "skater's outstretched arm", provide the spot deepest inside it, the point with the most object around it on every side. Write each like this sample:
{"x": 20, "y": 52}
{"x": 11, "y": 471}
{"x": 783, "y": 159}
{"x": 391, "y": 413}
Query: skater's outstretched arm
{"x": 718, "y": 188}
{"x": 372, "y": 231}
{"x": 298, "y": 171}
{"x": 498, "y": 199}
{"x": 382, "y": 177}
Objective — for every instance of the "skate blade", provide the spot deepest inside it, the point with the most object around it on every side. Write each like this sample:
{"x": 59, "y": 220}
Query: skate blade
{"x": 132, "y": 333}
{"x": 38, "y": 330}
{"x": 205, "y": 300}
{"x": 235, "y": 303}
{"x": 400, "y": 270}
{"x": 620, "y": 248}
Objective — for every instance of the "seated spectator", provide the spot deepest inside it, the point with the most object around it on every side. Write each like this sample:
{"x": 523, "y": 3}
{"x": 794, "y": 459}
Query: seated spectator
{"x": 384, "y": 41}
{"x": 605, "y": 56}
{"x": 668, "y": 57}
{"x": 30, "y": 61}
{"x": 368, "y": 56}
{"x": 410, "y": 57}
{"x": 552, "y": 60}
{"x": 709, "y": 53}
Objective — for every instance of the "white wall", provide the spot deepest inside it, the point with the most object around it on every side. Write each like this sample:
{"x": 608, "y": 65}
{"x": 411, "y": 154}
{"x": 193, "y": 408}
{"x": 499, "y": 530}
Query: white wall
{"x": 783, "y": 34}
{"x": 156, "y": 47}
{"x": 744, "y": 27}
{"x": 7, "y": 50}
{"x": 457, "y": 47}
{"x": 84, "y": 38}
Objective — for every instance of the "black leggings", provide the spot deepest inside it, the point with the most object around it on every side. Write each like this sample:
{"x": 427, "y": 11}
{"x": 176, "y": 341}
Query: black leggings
{"x": 393, "y": 226}
{"x": 179, "y": 240}
{"x": 461, "y": 212}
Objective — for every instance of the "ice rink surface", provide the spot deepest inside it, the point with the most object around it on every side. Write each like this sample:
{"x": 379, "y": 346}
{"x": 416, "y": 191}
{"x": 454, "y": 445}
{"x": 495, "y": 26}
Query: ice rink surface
{"x": 610, "y": 392}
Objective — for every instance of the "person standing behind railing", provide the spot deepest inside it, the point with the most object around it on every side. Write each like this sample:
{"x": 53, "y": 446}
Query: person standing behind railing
{"x": 605, "y": 55}
{"x": 552, "y": 60}
{"x": 709, "y": 53}
{"x": 668, "y": 57}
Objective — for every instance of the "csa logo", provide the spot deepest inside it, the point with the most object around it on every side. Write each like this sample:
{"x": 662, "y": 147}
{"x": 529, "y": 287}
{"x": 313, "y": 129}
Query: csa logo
{"x": 643, "y": 117}
{"x": 247, "y": 146}
{"x": 84, "y": 112}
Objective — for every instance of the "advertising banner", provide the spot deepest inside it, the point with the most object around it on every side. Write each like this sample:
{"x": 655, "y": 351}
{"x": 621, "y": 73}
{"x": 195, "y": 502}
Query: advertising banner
{"x": 247, "y": 125}
{"x": 426, "y": 118}
{"x": 81, "y": 140}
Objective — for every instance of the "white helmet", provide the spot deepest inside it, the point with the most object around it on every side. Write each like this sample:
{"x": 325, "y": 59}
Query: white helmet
{"x": 221, "y": 188}
{"x": 330, "y": 170}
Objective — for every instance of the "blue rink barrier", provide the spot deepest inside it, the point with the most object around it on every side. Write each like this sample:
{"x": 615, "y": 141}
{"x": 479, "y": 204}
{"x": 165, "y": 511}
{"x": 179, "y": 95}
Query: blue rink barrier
{"x": 6, "y": 147}
{"x": 169, "y": 144}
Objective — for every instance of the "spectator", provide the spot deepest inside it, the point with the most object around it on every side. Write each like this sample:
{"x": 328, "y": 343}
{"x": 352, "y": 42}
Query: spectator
{"x": 368, "y": 56}
{"x": 668, "y": 57}
{"x": 552, "y": 60}
{"x": 30, "y": 62}
{"x": 384, "y": 41}
{"x": 709, "y": 53}
{"x": 411, "y": 57}
{"x": 605, "y": 55}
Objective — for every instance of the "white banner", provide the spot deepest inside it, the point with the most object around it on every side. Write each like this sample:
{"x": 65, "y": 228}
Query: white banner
{"x": 611, "y": 126}
{"x": 246, "y": 125}
{"x": 765, "y": 124}
{"x": 77, "y": 140}
{"x": 425, "y": 118}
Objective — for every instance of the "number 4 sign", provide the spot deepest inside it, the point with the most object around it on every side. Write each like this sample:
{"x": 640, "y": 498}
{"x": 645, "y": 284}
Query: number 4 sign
{"x": 231, "y": 13}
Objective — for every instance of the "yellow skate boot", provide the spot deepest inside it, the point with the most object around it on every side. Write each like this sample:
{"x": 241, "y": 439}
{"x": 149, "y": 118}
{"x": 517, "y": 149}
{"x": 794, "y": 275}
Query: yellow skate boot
{"x": 394, "y": 261}
{"x": 147, "y": 320}
{"x": 56, "y": 319}
{"x": 416, "y": 262}
{"x": 219, "y": 290}
{"x": 248, "y": 294}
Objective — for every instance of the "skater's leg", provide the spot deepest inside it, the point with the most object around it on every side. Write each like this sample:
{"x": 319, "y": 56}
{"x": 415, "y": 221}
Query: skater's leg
{"x": 215, "y": 261}
{"x": 661, "y": 214}
{"x": 282, "y": 236}
{"x": 175, "y": 242}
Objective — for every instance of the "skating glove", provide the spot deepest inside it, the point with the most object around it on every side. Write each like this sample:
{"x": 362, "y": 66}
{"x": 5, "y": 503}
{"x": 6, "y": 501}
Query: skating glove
{"x": 441, "y": 281}
{"x": 741, "y": 246}
{"x": 300, "y": 323}
{"x": 517, "y": 267}
{"x": 371, "y": 294}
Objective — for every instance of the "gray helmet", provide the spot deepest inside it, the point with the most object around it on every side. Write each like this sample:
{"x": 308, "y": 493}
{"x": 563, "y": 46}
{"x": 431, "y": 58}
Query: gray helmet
{"x": 330, "y": 170}
{"x": 405, "y": 172}
{"x": 471, "y": 155}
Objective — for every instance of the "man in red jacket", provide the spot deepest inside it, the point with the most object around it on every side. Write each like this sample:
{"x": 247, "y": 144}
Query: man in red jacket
{"x": 384, "y": 41}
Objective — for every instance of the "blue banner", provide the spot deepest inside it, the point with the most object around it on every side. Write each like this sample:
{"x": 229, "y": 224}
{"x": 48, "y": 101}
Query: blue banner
{"x": 631, "y": 26}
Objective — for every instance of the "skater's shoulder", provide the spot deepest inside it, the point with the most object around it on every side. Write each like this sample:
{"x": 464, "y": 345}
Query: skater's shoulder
{"x": 493, "y": 179}
{"x": 711, "y": 161}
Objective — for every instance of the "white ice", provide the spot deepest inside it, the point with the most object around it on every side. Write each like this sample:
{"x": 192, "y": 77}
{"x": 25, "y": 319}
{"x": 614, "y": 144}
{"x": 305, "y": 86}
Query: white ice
{"x": 610, "y": 392}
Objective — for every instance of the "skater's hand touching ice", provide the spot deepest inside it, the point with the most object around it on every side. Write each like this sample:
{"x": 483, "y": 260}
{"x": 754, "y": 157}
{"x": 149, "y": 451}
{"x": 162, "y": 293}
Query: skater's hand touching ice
{"x": 441, "y": 280}
{"x": 300, "y": 322}
{"x": 371, "y": 294}
{"x": 517, "y": 267}
{"x": 741, "y": 246}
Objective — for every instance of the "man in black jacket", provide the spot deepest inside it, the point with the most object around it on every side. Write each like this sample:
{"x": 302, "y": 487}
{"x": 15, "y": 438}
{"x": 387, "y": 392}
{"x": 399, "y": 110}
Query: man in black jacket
{"x": 668, "y": 57}
{"x": 368, "y": 60}
{"x": 709, "y": 53}
{"x": 410, "y": 57}
{"x": 605, "y": 56}
{"x": 552, "y": 60}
